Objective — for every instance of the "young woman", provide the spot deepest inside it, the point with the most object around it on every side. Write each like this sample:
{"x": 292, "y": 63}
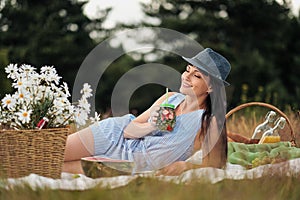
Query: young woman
{"x": 200, "y": 125}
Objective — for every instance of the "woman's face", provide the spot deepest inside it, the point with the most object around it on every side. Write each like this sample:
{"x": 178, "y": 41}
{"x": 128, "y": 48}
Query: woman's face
{"x": 193, "y": 82}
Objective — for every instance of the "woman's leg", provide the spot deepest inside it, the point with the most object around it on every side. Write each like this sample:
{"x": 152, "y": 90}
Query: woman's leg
{"x": 73, "y": 167}
{"x": 74, "y": 151}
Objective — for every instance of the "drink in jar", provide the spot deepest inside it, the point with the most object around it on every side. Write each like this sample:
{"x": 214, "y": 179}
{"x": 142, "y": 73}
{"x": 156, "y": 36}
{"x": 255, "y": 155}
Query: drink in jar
{"x": 166, "y": 119}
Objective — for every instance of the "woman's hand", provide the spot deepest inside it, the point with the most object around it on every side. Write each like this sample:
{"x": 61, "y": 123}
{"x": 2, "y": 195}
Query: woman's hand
{"x": 154, "y": 114}
{"x": 175, "y": 168}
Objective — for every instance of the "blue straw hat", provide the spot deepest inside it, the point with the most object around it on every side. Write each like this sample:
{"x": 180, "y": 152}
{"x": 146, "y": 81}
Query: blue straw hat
{"x": 212, "y": 63}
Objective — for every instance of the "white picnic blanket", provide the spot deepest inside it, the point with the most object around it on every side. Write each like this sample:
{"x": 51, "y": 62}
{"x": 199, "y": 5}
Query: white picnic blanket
{"x": 212, "y": 175}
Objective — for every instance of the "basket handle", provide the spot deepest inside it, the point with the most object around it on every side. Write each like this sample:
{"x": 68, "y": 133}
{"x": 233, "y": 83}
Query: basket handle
{"x": 293, "y": 140}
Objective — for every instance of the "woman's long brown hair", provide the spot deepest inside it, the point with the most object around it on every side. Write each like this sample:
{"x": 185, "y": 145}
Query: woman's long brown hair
{"x": 217, "y": 155}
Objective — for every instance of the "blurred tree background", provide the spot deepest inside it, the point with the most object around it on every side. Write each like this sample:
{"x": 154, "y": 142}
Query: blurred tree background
{"x": 46, "y": 32}
{"x": 259, "y": 38}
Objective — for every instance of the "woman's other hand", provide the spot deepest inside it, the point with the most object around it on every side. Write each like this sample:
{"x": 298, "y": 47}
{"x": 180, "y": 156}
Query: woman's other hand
{"x": 175, "y": 168}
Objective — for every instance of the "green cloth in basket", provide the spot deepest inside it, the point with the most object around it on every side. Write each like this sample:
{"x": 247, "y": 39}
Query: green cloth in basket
{"x": 253, "y": 155}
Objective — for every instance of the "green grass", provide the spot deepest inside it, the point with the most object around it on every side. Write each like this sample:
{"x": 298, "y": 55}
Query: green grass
{"x": 276, "y": 187}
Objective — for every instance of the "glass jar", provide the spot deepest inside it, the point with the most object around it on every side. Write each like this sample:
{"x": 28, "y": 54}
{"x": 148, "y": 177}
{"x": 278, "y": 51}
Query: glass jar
{"x": 166, "y": 119}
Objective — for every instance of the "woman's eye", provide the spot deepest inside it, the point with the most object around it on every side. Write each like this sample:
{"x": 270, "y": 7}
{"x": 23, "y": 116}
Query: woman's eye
{"x": 197, "y": 76}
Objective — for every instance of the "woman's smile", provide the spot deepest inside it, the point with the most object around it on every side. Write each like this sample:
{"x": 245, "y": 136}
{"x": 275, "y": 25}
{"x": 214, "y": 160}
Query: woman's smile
{"x": 186, "y": 85}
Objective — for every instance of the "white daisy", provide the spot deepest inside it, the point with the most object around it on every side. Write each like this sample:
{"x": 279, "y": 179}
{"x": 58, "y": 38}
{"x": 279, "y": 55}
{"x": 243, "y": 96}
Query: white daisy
{"x": 27, "y": 69}
{"x": 43, "y": 78}
{"x": 83, "y": 103}
{"x": 59, "y": 104}
{"x": 20, "y": 83}
{"x": 9, "y": 102}
{"x": 12, "y": 71}
{"x": 50, "y": 75}
{"x": 49, "y": 78}
{"x": 66, "y": 89}
{"x": 48, "y": 70}
{"x": 55, "y": 78}
{"x": 86, "y": 90}
{"x": 80, "y": 117}
{"x": 22, "y": 96}
{"x": 24, "y": 115}
{"x": 35, "y": 77}
{"x": 96, "y": 118}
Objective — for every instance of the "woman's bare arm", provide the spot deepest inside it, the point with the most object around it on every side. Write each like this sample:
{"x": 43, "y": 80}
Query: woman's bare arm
{"x": 140, "y": 126}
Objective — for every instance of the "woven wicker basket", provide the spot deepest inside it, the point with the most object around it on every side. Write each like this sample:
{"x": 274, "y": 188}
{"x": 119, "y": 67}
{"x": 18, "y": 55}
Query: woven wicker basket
{"x": 268, "y": 106}
{"x": 32, "y": 151}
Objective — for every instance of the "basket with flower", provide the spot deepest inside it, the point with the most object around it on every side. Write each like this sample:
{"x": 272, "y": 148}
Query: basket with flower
{"x": 35, "y": 121}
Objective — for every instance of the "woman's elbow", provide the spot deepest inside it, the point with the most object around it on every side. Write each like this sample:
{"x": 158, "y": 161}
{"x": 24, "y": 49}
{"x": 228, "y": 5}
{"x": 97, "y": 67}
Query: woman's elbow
{"x": 128, "y": 136}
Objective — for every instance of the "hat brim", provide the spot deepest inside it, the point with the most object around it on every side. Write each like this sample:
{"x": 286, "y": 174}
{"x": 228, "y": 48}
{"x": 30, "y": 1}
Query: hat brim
{"x": 205, "y": 70}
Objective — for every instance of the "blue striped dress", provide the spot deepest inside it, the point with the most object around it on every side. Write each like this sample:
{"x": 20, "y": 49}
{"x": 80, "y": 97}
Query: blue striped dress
{"x": 155, "y": 150}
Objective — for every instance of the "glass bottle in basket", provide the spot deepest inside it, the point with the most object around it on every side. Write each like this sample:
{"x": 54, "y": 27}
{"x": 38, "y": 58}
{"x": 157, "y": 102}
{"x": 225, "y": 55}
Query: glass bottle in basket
{"x": 272, "y": 135}
{"x": 265, "y": 126}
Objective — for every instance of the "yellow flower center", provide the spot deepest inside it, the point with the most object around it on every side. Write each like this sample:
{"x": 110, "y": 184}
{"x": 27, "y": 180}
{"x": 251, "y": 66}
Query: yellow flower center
{"x": 8, "y": 101}
{"x": 21, "y": 95}
{"x": 25, "y": 114}
{"x": 20, "y": 83}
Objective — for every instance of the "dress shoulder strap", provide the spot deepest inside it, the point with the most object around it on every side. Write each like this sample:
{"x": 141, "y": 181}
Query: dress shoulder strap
{"x": 175, "y": 99}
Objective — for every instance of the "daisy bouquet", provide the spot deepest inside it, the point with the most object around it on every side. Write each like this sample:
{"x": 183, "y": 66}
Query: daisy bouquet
{"x": 40, "y": 100}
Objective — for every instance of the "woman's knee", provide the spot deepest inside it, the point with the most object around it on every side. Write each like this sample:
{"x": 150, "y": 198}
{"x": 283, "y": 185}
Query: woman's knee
{"x": 75, "y": 149}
